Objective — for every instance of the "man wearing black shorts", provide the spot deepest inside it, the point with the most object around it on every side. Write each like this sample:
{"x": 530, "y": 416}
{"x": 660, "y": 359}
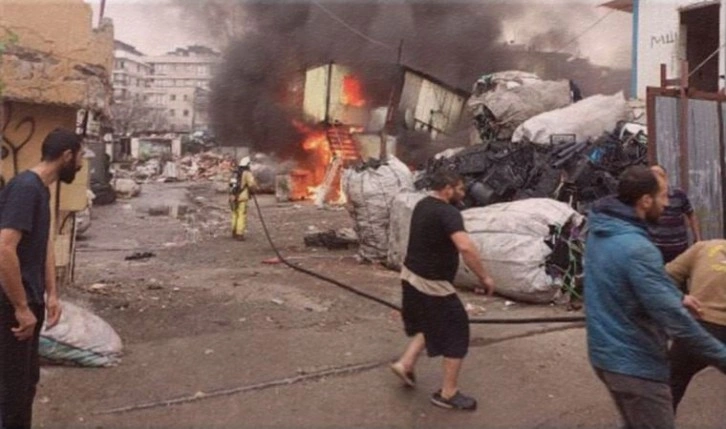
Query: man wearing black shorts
{"x": 433, "y": 314}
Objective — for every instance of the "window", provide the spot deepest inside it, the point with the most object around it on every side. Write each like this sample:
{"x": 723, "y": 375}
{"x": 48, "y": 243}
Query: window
{"x": 186, "y": 113}
{"x": 172, "y": 97}
{"x": 123, "y": 64}
{"x": 171, "y": 113}
{"x": 186, "y": 97}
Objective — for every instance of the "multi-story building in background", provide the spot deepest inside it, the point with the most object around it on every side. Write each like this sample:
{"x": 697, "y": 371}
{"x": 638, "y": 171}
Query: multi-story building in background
{"x": 181, "y": 81}
{"x": 131, "y": 73}
{"x": 167, "y": 93}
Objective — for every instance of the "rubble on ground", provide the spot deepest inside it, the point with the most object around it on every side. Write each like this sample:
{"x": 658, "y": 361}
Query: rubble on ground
{"x": 344, "y": 238}
{"x": 201, "y": 166}
{"x": 126, "y": 188}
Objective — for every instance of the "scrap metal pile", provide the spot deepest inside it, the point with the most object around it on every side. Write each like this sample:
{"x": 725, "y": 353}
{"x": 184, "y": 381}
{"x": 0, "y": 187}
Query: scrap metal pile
{"x": 576, "y": 173}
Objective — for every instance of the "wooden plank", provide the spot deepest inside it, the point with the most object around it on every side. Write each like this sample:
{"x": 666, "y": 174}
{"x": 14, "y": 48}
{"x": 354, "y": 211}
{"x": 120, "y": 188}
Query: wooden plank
{"x": 650, "y": 112}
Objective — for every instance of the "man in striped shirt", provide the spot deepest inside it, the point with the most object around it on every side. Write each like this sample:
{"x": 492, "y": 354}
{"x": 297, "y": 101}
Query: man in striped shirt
{"x": 670, "y": 232}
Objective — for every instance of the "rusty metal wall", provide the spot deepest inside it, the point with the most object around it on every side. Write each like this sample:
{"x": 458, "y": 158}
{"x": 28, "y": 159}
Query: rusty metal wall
{"x": 704, "y": 166}
{"x": 667, "y": 141}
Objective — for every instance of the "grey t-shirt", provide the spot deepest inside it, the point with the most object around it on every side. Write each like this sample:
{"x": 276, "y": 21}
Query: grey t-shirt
{"x": 25, "y": 207}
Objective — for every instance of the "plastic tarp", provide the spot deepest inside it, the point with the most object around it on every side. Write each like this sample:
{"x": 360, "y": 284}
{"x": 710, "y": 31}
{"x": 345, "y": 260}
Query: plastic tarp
{"x": 401, "y": 213}
{"x": 587, "y": 120}
{"x": 370, "y": 192}
{"x": 511, "y": 240}
{"x": 80, "y": 338}
{"x": 511, "y": 106}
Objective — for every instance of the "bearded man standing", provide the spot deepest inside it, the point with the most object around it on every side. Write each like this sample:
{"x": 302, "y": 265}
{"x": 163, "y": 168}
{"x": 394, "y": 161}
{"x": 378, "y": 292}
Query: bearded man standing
{"x": 633, "y": 307}
{"x": 27, "y": 273}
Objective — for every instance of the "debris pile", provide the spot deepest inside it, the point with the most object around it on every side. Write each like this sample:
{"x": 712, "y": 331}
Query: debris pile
{"x": 573, "y": 153}
{"x": 501, "y": 102}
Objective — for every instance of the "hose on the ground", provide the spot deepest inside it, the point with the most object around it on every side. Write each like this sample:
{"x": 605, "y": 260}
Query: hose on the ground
{"x": 489, "y": 321}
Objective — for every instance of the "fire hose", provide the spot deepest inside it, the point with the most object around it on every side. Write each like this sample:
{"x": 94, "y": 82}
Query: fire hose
{"x": 488, "y": 321}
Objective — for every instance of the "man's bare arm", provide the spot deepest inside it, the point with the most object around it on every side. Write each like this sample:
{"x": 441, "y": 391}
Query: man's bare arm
{"x": 695, "y": 225}
{"x": 472, "y": 259}
{"x": 52, "y": 303}
{"x": 12, "y": 284}
{"x": 10, "y": 277}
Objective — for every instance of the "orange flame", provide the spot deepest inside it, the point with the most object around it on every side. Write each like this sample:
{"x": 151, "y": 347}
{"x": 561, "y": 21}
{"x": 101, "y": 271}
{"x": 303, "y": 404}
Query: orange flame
{"x": 353, "y": 92}
{"x": 309, "y": 177}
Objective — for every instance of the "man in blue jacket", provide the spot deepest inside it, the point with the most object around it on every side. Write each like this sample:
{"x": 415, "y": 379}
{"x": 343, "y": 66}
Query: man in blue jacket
{"x": 633, "y": 307}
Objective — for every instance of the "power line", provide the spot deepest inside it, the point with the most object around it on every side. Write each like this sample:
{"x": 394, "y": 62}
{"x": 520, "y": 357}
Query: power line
{"x": 349, "y": 27}
{"x": 593, "y": 25}
{"x": 703, "y": 63}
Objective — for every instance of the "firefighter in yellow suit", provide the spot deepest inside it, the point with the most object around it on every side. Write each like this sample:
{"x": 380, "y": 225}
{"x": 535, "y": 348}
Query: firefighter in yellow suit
{"x": 240, "y": 186}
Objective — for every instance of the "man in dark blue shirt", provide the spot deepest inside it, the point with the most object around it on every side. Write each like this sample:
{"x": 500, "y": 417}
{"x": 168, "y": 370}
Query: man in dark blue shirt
{"x": 27, "y": 273}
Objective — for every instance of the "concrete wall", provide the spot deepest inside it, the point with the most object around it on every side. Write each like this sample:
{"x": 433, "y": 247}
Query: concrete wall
{"x": 659, "y": 40}
{"x": 54, "y": 65}
{"x": 58, "y": 57}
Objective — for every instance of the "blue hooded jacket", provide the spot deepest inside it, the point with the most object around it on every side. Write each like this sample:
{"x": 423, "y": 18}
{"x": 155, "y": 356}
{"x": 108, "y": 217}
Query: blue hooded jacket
{"x": 632, "y": 305}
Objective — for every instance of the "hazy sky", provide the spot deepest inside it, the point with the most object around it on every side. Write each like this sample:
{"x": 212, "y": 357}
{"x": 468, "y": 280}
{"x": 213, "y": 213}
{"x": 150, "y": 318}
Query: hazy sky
{"x": 158, "y": 26}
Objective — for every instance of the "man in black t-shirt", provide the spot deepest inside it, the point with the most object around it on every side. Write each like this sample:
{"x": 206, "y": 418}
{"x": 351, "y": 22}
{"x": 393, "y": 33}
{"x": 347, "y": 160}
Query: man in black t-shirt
{"x": 432, "y": 312}
{"x": 27, "y": 273}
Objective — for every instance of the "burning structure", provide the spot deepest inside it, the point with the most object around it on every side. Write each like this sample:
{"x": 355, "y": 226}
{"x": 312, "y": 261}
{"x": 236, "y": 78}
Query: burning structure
{"x": 276, "y": 88}
{"x": 343, "y": 123}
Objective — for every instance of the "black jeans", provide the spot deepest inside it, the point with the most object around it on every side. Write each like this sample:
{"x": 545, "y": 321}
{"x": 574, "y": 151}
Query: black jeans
{"x": 643, "y": 404}
{"x": 685, "y": 364}
{"x": 19, "y": 369}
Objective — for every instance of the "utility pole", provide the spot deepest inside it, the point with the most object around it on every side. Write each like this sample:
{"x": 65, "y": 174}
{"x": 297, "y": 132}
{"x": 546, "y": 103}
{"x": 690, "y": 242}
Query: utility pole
{"x": 387, "y": 127}
{"x": 101, "y": 12}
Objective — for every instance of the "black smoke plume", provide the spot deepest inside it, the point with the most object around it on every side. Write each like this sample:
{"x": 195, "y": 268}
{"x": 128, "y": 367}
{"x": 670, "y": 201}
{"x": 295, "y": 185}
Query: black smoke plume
{"x": 254, "y": 99}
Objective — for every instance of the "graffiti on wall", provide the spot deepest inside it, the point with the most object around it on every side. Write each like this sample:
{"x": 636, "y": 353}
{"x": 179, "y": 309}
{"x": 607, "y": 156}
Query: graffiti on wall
{"x": 23, "y": 129}
{"x": 669, "y": 38}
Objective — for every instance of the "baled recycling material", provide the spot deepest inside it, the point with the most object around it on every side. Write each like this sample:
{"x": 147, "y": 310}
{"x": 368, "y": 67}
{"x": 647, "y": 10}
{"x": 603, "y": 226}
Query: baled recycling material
{"x": 80, "y": 338}
{"x": 371, "y": 189}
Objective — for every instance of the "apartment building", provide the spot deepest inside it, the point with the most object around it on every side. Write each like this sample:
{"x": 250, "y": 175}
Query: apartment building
{"x": 174, "y": 86}
{"x": 131, "y": 73}
{"x": 180, "y": 81}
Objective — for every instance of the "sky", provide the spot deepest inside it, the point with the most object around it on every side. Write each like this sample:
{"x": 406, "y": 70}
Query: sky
{"x": 158, "y": 26}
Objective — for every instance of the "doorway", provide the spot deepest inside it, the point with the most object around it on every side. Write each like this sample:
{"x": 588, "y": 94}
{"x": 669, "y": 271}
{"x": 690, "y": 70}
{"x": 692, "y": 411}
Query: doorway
{"x": 700, "y": 39}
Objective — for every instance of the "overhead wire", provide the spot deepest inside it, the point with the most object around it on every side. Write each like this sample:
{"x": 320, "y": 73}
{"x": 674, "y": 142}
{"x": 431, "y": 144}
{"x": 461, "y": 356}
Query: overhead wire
{"x": 585, "y": 31}
{"x": 350, "y": 27}
{"x": 704, "y": 62}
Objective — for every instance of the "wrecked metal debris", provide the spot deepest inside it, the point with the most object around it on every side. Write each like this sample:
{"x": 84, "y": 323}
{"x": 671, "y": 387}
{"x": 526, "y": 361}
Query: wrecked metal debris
{"x": 575, "y": 172}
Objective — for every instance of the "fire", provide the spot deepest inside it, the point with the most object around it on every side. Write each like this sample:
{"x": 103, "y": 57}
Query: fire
{"x": 353, "y": 92}
{"x": 309, "y": 178}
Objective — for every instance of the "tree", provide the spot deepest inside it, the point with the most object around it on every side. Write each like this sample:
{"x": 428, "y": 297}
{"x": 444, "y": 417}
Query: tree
{"x": 133, "y": 116}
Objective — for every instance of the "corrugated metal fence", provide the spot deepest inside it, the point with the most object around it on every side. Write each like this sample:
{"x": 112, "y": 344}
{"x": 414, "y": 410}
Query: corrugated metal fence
{"x": 694, "y": 156}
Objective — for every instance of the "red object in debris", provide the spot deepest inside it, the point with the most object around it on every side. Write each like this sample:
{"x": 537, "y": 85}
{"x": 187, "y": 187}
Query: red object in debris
{"x": 272, "y": 261}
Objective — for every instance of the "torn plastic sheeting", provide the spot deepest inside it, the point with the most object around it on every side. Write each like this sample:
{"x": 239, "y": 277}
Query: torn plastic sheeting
{"x": 510, "y": 107}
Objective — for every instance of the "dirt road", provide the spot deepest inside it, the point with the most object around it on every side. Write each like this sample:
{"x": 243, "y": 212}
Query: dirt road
{"x": 217, "y": 338}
